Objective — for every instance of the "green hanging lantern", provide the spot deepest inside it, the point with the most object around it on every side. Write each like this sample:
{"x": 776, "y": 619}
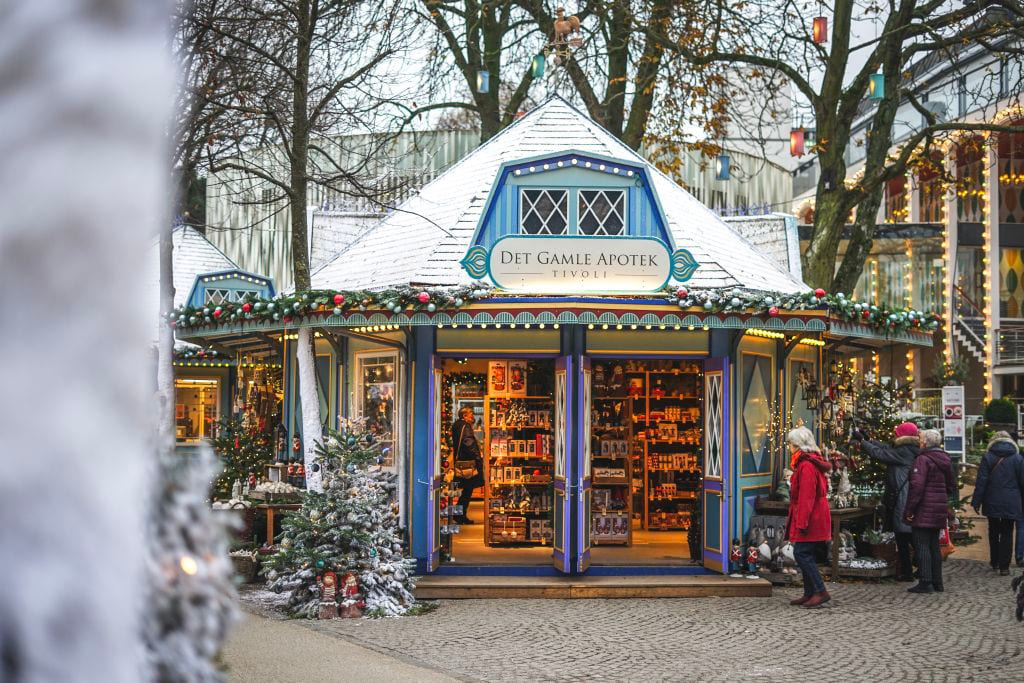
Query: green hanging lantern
{"x": 537, "y": 65}
{"x": 876, "y": 87}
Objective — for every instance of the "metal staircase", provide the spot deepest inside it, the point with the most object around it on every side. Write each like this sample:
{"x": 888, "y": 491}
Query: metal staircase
{"x": 969, "y": 325}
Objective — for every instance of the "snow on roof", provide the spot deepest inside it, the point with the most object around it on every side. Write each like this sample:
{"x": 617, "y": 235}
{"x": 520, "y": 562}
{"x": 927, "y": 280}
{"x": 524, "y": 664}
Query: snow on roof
{"x": 423, "y": 240}
{"x": 193, "y": 255}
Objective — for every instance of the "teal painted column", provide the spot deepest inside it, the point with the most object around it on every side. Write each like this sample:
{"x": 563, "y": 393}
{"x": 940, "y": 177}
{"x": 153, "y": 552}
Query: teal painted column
{"x": 422, "y": 342}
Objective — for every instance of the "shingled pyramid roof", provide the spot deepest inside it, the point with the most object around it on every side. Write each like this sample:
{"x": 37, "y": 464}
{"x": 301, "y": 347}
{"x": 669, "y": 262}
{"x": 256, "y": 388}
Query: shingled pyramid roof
{"x": 422, "y": 241}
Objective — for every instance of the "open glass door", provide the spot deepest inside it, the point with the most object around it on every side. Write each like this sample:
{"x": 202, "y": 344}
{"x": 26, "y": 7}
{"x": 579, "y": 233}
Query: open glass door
{"x": 715, "y": 497}
{"x": 434, "y": 471}
{"x": 561, "y": 524}
{"x": 583, "y": 468}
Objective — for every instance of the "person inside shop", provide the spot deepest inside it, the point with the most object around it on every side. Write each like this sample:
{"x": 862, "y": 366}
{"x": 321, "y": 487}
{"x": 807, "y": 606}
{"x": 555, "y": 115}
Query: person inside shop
{"x": 927, "y": 511}
{"x": 469, "y": 464}
{"x": 999, "y": 494}
{"x": 898, "y": 458}
{"x": 809, "y": 523}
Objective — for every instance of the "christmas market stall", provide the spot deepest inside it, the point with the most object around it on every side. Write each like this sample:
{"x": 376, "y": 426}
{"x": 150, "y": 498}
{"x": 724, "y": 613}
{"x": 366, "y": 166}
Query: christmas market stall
{"x": 566, "y": 358}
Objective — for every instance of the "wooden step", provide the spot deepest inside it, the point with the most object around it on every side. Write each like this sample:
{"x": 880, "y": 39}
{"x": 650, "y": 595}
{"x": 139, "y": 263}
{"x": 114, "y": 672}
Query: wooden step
{"x": 577, "y": 587}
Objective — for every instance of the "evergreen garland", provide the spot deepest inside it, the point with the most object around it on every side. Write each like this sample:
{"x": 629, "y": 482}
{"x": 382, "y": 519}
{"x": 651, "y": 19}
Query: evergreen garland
{"x": 352, "y": 526}
{"x": 322, "y": 303}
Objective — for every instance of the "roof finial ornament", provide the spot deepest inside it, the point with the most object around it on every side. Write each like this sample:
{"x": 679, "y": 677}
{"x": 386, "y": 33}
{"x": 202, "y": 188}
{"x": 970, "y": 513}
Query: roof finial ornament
{"x": 565, "y": 40}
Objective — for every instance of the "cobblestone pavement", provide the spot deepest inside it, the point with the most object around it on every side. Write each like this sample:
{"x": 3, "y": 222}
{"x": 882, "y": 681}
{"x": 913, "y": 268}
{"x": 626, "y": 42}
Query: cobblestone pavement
{"x": 871, "y": 632}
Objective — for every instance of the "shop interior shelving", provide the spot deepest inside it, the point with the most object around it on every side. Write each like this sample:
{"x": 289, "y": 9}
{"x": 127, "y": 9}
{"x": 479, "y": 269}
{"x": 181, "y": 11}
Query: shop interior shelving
{"x": 667, "y": 401}
{"x": 610, "y": 451}
{"x": 518, "y": 494}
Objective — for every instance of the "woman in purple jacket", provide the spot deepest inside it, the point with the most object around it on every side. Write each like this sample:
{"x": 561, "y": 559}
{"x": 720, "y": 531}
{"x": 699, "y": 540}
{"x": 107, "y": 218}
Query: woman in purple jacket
{"x": 931, "y": 485}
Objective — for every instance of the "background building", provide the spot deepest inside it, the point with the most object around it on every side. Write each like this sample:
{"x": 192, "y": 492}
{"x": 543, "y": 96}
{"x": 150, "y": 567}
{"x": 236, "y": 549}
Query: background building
{"x": 954, "y": 245}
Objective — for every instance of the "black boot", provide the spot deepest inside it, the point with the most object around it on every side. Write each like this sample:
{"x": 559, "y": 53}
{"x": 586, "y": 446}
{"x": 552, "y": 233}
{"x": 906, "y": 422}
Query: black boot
{"x": 905, "y": 578}
{"x": 922, "y": 587}
{"x": 937, "y": 587}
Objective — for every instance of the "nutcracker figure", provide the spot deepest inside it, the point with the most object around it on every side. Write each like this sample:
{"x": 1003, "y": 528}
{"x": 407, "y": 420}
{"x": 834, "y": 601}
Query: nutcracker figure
{"x": 328, "y": 596}
{"x": 752, "y": 555}
{"x": 736, "y": 559}
{"x": 352, "y": 603}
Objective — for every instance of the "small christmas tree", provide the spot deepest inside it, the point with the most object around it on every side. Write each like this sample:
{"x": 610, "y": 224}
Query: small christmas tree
{"x": 240, "y": 453}
{"x": 878, "y": 409}
{"x": 351, "y": 527}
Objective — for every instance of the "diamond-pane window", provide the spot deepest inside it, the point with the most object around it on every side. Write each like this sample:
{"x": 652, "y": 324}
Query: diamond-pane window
{"x": 240, "y": 294}
{"x": 602, "y": 212}
{"x": 544, "y": 212}
{"x": 217, "y": 296}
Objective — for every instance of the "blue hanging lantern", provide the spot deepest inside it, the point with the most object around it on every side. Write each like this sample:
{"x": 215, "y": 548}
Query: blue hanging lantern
{"x": 876, "y": 87}
{"x": 537, "y": 65}
{"x": 722, "y": 167}
{"x": 483, "y": 81}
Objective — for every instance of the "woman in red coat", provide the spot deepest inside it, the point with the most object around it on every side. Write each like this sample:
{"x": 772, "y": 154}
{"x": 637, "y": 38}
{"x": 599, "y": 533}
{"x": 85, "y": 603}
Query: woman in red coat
{"x": 809, "y": 520}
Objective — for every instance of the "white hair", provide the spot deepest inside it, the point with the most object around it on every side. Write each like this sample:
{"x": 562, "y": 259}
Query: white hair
{"x": 803, "y": 438}
{"x": 931, "y": 438}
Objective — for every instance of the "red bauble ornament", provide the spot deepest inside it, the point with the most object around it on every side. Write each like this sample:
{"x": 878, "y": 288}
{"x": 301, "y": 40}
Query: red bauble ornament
{"x": 773, "y": 311}
{"x": 423, "y": 297}
{"x": 819, "y": 292}
{"x": 338, "y": 299}
{"x": 247, "y": 307}
{"x": 865, "y": 314}
{"x": 681, "y": 292}
{"x": 287, "y": 319}
{"x": 218, "y": 313}
{"x": 536, "y": 473}
{"x": 237, "y": 444}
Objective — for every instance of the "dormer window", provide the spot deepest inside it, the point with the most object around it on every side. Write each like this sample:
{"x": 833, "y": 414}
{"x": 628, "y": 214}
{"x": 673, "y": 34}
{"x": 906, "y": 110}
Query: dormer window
{"x": 602, "y": 212}
{"x": 544, "y": 212}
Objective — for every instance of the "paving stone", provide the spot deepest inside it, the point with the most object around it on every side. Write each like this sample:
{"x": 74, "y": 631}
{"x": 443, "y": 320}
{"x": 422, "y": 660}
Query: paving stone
{"x": 870, "y": 632}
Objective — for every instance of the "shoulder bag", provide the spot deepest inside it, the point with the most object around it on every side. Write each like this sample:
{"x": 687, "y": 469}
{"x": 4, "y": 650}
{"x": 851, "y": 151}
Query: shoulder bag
{"x": 464, "y": 469}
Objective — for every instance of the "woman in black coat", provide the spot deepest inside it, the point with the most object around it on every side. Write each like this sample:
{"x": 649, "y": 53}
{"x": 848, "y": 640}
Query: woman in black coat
{"x": 466, "y": 451}
{"x": 999, "y": 494}
{"x": 898, "y": 459}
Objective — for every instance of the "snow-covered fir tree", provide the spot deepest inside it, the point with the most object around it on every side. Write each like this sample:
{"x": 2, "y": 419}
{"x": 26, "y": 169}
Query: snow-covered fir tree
{"x": 191, "y": 601}
{"x": 353, "y": 526}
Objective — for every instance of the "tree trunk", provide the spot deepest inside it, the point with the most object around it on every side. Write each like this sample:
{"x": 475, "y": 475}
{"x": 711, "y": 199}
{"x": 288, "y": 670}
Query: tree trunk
{"x": 309, "y": 399}
{"x": 77, "y": 411}
{"x": 859, "y": 247}
{"x": 819, "y": 261}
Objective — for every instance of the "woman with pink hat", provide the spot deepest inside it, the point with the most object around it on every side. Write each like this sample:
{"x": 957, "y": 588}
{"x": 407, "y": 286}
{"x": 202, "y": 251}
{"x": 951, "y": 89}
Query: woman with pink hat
{"x": 898, "y": 458}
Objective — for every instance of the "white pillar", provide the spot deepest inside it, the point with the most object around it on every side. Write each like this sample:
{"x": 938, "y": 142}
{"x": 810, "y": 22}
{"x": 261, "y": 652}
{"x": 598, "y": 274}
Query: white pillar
{"x": 949, "y": 242}
{"x": 990, "y": 262}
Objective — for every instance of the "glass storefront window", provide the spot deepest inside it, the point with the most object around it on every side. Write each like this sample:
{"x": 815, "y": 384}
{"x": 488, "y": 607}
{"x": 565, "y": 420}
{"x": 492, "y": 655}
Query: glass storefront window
{"x": 969, "y": 279}
{"x": 970, "y": 181}
{"x": 896, "y": 208}
{"x": 1011, "y": 287}
{"x": 376, "y": 375}
{"x": 196, "y": 408}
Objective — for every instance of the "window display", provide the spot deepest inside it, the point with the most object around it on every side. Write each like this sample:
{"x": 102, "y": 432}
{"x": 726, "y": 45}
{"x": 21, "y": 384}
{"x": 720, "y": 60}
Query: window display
{"x": 376, "y": 400}
{"x": 196, "y": 408}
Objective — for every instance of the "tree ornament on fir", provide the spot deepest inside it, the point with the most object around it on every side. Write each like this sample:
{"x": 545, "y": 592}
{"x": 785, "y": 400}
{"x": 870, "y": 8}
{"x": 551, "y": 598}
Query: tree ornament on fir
{"x": 423, "y": 297}
{"x": 681, "y": 292}
{"x": 819, "y": 293}
{"x": 339, "y": 299}
{"x": 773, "y": 311}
